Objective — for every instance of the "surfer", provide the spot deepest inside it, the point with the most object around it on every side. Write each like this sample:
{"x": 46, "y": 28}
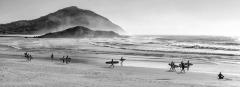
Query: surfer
{"x": 52, "y": 57}
{"x": 182, "y": 66}
{"x": 30, "y": 57}
{"x": 67, "y": 59}
{"x": 112, "y": 64}
{"x": 63, "y": 59}
{"x": 188, "y": 65}
{"x": 220, "y": 76}
{"x": 172, "y": 66}
{"x": 122, "y": 59}
{"x": 25, "y": 54}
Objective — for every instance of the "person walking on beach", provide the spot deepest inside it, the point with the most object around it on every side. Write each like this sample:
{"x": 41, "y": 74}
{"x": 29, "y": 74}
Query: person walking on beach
{"x": 66, "y": 60}
{"x": 63, "y": 58}
{"x": 27, "y": 57}
{"x": 220, "y": 76}
{"x": 52, "y": 57}
{"x": 30, "y": 57}
{"x": 112, "y": 64}
{"x": 188, "y": 65}
{"x": 25, "y": 54}
{"x": 172, "y": 66}
{"x": 122, "y": 59}
{"x": 182, "y": 66}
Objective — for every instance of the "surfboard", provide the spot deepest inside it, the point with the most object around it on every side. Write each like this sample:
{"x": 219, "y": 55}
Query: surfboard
{"x": 174, "y": 65}
{"x": 122, "y": 59}
{"x": 189, "y": 64}
{"x": 112, "y": 62}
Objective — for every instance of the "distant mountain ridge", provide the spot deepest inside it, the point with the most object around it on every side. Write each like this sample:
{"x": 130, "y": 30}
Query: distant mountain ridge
{"x": 80, "y": 32}
{"x": 60, "y": 20}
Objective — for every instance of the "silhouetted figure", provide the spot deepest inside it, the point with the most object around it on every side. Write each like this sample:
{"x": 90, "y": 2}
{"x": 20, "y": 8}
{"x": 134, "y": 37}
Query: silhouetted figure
{"x": 63, "y": 58}
{"x": 220, "y": 76}
{"x": 52, "y": 57}
{"x": 66, "y": 60}
{"x": 172, "y": 66}
{"x": 25, "y": 54}
{"x": 69, "y": 60}
{"x": 122, "y": 59}
{"x": 30, "y": 57}
{"x": 188, "y": 65}
{"x": 27, "y": 57}
{"x": 112, "y": 64}
{"x": 182, "y": 66}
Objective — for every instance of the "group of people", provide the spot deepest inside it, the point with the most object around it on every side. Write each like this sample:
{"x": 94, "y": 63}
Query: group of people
{"x": 187, "y": 65}
{"x": 112, "y": 62}
{"x": 172, "y": 65}
{"x": 65, "y": 60}
{"x": 28, "y": 56}
{"x": 182, "y": 66}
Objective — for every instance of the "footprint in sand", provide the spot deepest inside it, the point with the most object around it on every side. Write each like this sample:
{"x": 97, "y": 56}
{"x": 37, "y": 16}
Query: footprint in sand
{"x": 227, "y": 79}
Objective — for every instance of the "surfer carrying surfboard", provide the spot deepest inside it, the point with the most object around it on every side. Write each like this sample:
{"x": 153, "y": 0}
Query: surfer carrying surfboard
{"x": 182, "y": 66}
{"x": 122, "y": 59}
{"x": 188, "y": 65}
{"x": 172, "y": 66}
{"x": 112, "y": 63}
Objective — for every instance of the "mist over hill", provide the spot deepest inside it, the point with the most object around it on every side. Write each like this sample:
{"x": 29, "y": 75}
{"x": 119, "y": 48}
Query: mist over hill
{"x": 60, "y": 20}
{"x": 80, "y": 32}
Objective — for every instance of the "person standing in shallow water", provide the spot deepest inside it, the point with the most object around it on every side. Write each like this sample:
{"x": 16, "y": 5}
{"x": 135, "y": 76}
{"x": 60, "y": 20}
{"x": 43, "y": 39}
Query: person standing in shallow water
{"x": 220, "y": 76}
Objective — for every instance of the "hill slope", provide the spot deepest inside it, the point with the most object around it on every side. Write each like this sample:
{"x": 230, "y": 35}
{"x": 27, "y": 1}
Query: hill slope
{"x": 80, "y": 32}
{"x": 60, "y": 20}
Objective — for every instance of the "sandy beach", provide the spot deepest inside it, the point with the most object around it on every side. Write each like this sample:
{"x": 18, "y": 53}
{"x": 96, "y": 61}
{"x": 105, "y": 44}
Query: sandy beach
{"x": 43, "y": 73}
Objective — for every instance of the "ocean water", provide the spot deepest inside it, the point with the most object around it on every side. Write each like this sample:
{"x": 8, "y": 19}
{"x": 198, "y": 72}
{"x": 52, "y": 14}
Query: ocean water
{"x": 210, "y": 54}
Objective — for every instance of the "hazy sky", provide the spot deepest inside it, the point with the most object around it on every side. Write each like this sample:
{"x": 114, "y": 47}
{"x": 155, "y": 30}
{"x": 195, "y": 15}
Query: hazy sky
{"x": 182, "y": 17}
